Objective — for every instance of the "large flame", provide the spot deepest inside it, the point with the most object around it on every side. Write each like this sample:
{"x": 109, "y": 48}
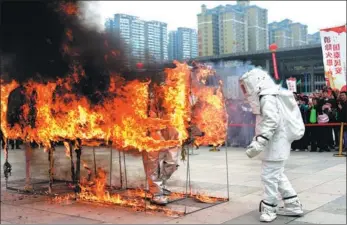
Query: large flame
{"x": 209, "y": 112}
{"x": 96, "y": 191}
{"x": 123, "y": 116}
{"x": 121, "y": 119}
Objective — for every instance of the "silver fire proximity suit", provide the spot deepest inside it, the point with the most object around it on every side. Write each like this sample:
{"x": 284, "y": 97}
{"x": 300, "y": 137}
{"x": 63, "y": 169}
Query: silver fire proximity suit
{"x": 271, "y": 145}
{"x": 159, "y": 166}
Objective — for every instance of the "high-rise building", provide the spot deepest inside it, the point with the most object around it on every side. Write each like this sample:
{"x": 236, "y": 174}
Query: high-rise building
{"x": 186, "y": 43}
{"x": 145, "y": 42}
{"x": 314, "y": 38}
{"x": 183, "y": 44}
{"x": 243, "y": 2}
{"x": 208, "y": 31}
{"x": 257, "y": 22}
{"x": 287, "y": 34}
{"x": 281, "y": 34}
{"x": 156, "y": 41}
{"x": 172, "y": 46}
{"x": 299, "y": 34}
{"x": 233, "y": 32}
{"x": 232, "y": 28}
{"x": 131, "y": 30}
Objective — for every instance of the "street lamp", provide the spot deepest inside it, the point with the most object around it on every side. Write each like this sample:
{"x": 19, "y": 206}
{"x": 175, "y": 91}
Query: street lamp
{"x": 273, "y": 47}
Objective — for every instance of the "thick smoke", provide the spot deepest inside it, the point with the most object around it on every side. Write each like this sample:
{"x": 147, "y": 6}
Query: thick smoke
{"x": 45, "y": 40}
{"x": 33, "y": 35}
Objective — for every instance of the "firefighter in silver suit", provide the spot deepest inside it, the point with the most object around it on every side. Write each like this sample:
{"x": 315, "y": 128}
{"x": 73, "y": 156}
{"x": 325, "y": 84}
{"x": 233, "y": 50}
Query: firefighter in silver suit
{"x": 271, "y": 145}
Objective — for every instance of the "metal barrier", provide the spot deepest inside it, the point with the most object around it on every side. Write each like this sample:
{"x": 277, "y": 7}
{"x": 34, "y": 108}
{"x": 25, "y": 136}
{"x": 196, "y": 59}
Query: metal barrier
{"x": 342, "y": 125}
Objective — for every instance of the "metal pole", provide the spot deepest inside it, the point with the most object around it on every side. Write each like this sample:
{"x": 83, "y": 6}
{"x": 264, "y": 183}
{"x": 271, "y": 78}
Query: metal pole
{"x": 72, "y": 163}
{"x": 51, "y": 164}
{"x": 125, "y": 171}
{"x": 227, "y": 165}
{"x": 28, "y": 186}
{"x": 7, "y": 166}
{"x": 111, "y": 156}
{"x": 226, "y": 145}
{"x": 340, "y": 154}
{"x": 94, "y": 162}
{"x": 120, "y": 169}
{"x": 78, "y": 151}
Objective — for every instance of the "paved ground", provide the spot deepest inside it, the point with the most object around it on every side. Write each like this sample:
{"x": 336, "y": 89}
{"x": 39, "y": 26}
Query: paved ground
{"x": 319, "y": 178}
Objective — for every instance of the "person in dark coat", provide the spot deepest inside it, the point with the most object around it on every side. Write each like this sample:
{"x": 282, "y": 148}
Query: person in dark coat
{"x": 342, "y": 115}
{"x": 313, "y": 119}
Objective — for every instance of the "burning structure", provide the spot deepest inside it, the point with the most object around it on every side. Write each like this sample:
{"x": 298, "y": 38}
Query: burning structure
{"x": 63, "y": 82}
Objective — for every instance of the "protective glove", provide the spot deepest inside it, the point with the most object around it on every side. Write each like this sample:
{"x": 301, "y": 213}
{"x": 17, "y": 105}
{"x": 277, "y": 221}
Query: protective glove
{"x": 257, "y": 146}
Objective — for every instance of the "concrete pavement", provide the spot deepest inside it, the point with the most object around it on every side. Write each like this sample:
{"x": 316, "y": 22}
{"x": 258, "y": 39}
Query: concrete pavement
{"x": 319, "y": 178}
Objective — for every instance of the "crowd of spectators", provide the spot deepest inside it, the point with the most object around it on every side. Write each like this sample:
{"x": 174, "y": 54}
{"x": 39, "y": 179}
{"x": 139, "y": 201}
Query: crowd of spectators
{"x": 322, "y": 107}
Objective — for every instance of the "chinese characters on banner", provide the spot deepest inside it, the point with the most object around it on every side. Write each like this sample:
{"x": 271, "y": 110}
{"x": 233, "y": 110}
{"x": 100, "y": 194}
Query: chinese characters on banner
{"x": 333, "y": 42}
{"x": 291, "y": 84}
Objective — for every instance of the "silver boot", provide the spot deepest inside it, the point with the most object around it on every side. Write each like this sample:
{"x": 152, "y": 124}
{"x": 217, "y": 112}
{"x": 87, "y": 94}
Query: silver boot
{"x": 292, "y": 207}
{"x": 159, "y": 200}
{"x": 267, "y": 212}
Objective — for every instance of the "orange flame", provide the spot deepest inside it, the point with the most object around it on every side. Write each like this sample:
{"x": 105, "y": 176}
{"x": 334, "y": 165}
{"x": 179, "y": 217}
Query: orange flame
{"x": 69, "y": 8}
{"x": 121, "y": 119}
{"x": 95, "y": 191}
{"x": 209, "y": 113}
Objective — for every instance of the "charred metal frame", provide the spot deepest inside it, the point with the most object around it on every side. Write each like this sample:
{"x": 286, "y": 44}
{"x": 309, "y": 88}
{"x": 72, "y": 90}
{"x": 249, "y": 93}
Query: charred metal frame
{"x": 29, "y": 189}
{"x": 75, "y": 172}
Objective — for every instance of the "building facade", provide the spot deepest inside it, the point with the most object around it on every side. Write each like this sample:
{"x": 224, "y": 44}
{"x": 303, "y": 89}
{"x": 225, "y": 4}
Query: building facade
{"x": 280, "y": 33}
{"x": 314, "y": 38}
{"x": 299, "y": 34}
{"x": 233, "y": 32}
{"x": 145, "y": 41}
{"x": 172, "y": 46}
{"x": 156, "y": 41}
{"x": 257, "y": 20}
{"x": 183, "y": 44}
{"x": 287, "y": 34}
{"x": 208, "y": 31}
{"x": 232, "y": 28}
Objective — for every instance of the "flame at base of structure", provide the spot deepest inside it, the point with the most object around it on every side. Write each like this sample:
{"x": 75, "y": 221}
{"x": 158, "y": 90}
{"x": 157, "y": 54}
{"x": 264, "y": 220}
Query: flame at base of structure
{"x": 136, "y": 199}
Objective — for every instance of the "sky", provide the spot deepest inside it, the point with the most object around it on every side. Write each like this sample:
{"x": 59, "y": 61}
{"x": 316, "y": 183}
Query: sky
{"x": 315, "y": 14}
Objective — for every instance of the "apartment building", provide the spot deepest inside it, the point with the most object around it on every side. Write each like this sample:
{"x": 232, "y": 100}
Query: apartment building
{"x": 145, "y": 41}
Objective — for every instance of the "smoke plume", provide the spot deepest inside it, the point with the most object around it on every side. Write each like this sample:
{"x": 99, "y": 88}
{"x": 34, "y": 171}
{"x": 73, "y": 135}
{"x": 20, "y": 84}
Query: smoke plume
{"x": 43, "y": 40}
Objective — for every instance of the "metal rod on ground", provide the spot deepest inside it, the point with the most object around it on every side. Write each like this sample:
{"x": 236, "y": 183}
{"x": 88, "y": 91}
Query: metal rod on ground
{"x": 28, "y": 186}
{"x": 227, "y": 165}
{"x": 78, "y": 151}
{"x": 120, "y": 169}
{"x": 51, "y": 164}
{"x": 226, "y": 143}
{"x": 111, "y": 156}
{"x": 187, "y": 181}
{"x": 69, "y": 145}
{"x": 145, "y": 162}
{"x": 94, "y": 162}
{"x": 7, "y": 166}
{"x": 125, "y": 171}
{"x": 340, "y": 154}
